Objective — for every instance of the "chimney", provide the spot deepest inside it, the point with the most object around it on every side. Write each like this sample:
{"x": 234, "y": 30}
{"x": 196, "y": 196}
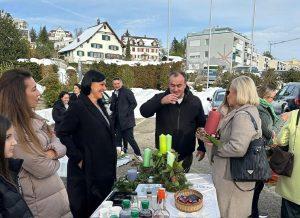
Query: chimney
{"x": 98, "y": 21}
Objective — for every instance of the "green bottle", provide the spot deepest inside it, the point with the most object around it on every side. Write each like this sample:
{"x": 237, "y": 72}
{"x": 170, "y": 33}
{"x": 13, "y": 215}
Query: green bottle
{"x": 135, "y": 213}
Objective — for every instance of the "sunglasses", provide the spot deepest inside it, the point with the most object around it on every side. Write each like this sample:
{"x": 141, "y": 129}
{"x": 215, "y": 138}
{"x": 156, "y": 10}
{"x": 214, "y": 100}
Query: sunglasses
{"x": 227, "y": 92}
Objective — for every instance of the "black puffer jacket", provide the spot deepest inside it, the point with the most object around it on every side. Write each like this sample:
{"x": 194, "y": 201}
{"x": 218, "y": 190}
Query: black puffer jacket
{"x": 178, "y": 120}
{"x": 11, "y": 202}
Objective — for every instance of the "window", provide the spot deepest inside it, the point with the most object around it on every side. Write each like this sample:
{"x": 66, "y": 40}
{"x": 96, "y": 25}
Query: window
{"x": 113, "y": 47}
{"x": 95, "y": 54}
{"x": 142, "y": 50}
{"x": 95, "y": 45}
{"x": 152, "y": 50}
{"x": 194, "y": 43}
{"x": 206, "y": 54}
{"x": 133, "y": 49}
{"x": 147, "y": 50}
{"x": 106, "y": 37}
{"x": 80, "y": 53}
{"x": 206, "y": 41}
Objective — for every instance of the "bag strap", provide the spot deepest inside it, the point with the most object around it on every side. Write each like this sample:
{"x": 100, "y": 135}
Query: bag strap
{"x": 297, "y": 120}
{"x": 252, "y": 120}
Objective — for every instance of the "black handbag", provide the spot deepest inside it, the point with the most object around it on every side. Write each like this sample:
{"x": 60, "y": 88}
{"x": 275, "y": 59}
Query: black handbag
{"x": 254, "y": 165}
{"x": 281, "y": 161}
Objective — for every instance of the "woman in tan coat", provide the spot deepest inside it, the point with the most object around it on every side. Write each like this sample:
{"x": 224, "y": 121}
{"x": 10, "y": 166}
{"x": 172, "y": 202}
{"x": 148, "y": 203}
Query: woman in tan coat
{"x": 42, "y": 189}
{"x": 236, "y": 132}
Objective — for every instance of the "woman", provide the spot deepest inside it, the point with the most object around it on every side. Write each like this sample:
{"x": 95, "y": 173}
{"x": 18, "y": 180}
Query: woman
{"x": 43, "y": 190}
{"x": 59, "y": 108}
{"x": 236, "y": 131}
{"x": 270, "y": 125}
{"x": 11, "y": 202}
{"x": 76, "y": 92}
{"x": 88, "y": 134}
{"x": 288, "y": 187}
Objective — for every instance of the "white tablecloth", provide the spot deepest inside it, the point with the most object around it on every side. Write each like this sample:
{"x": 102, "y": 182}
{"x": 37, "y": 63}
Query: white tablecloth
{"x": 202, "y": 183}
{"x": 62, "y": 171}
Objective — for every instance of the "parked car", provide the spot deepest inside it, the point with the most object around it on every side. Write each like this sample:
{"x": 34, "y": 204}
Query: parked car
{"x": 286, "y": 98}
{"x": 217, "y": 98}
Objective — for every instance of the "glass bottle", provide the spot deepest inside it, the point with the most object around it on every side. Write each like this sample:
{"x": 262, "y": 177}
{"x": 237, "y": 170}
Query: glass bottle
{"x": 125, "y": 212}
{"x": 135, "y": 213}
{"x": 161, "y": 212}
{"x": 134, "y": 201}
{"x": 149, "y": 198}
{"x": 145, "y": 212}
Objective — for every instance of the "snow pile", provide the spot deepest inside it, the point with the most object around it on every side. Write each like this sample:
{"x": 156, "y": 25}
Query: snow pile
{"x": 44, "y": 61}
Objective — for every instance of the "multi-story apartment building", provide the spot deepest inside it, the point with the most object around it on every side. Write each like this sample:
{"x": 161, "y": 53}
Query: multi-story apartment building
{"x": 228, "y": 49}
{"x": 60, "y": 37}
{"x": 22, "y": 26}
{"x": 94, "y": 44}
{"x": 292, "y": 64}
{"x": 142, "y": 48}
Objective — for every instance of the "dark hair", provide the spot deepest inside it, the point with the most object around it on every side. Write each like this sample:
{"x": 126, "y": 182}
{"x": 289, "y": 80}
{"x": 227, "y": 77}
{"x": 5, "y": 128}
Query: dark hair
{"x": 117, "y": 78}
{"x": 78, "y": 85}
{"x": 62, "y": 93}
{"x": 177, "y": 73}
{"x": 89, "y": 77}
{"x": 265, "y": 90}
{"x": 5, "y": 124}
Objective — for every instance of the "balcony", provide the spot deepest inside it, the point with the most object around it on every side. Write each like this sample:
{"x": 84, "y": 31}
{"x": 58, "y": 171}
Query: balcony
{"x": 238, "y": 47}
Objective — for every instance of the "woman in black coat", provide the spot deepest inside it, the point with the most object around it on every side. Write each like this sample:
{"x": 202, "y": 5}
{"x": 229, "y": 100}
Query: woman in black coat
{"x": 11, "y": 202}
{"x": 59, "y": 108}
{"x": 88, "y": 135}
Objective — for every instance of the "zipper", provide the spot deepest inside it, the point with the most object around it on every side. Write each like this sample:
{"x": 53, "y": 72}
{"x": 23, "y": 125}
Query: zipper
{"x": 178, "y": 118}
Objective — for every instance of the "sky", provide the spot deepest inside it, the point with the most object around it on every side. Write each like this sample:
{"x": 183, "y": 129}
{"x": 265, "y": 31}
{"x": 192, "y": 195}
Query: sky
{"x": 275, "y": 20}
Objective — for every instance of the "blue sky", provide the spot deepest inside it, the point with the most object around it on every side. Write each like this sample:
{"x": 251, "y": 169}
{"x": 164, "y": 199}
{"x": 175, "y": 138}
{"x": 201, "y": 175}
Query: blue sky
{"x": 275, "y": 20}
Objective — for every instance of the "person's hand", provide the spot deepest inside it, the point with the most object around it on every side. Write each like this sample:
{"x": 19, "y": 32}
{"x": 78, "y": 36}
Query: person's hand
{"x": 51, "y": 154}
{"x": 285, "y": 116}
{"x": 80, "y": 164}
{"x": 208, "y": 144}
{"x": 273, "y": 135}
{"x": 200, "y": 155}
{"x": 200, "y": 134}
{"x": 169, "y": 99}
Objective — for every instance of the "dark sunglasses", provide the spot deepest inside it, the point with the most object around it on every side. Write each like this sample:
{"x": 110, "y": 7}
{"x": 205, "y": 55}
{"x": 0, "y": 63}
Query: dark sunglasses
{"x": 227, "y": 92}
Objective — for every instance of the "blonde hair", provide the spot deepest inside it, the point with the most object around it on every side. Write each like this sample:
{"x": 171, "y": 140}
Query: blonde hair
{"x": 246, "y": 91}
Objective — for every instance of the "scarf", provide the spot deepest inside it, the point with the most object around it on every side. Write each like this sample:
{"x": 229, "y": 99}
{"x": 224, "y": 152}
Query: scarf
{"x": 266, "y": 104}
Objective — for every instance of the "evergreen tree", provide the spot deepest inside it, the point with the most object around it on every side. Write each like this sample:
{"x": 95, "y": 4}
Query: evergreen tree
{"x": 44, "y": 47}
{"x": 178, "y": 48}
{"x": 268, "y": 54}
{"x": 127, "y": 51}
{"x": 33, "y": 35}
{"x": 12, "y": 45}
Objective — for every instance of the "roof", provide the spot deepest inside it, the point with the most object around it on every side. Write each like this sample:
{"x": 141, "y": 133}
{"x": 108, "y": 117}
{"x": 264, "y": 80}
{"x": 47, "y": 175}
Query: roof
{"x": 86, "y": 35}
{"x": 147, "y": 40}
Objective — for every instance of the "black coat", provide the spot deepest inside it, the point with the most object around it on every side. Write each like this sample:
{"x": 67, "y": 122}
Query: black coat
{"x": 178, "y": 120}
{"x": 88, "y": 137}
{"x": 12, "y": 203}
{"x": 58, "y": 113}
{"x": 122, "y": 107}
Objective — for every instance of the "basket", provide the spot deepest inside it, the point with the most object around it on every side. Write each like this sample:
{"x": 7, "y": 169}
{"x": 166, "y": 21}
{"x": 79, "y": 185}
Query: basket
{"x": 185, "y": 207}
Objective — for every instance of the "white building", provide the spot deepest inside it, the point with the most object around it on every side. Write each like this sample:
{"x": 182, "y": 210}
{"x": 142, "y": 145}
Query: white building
{"x": 142, "y": 48}
{"x": 59, "y": 35}
{"x": 94, "y": 44}
{"x": 22, "y": 26}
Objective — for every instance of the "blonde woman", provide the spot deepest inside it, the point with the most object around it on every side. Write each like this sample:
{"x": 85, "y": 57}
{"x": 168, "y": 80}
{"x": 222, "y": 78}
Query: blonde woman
{"x": 42, "y": 189}
{"x": 236, "y": 132}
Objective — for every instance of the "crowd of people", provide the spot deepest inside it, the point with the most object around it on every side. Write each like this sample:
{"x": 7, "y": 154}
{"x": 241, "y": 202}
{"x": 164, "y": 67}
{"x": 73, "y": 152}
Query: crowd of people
{"x": 84, "y": 131}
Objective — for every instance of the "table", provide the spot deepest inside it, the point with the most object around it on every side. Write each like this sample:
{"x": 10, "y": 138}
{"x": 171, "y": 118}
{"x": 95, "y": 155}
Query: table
{"x": 202, "y": 183}
{"x": 62, "y": 171}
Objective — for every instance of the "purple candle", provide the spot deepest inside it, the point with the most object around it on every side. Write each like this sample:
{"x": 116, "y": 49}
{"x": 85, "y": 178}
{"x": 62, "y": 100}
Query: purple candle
{"x": 132, "y": 174}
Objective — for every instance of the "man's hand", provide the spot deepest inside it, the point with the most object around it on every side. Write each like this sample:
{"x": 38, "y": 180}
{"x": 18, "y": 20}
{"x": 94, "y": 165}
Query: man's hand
{"x": 51, "y": 154}
{"x": 285, "y": 116}
{"x": 80, "y": 164}
{"x": 200, "y": 155}
{"x": 169, "y": 99}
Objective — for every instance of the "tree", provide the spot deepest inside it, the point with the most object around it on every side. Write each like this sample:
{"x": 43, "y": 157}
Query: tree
{"x": 291, "y": 76}
{"x": 12, "y": 45}
{"x": 33, "y": 35}
{"x": 271, "y": 77}
{"x": 44, "y": 47}
{"x": 178, "y": 48}
{"x": 127, "y": 51}
{"x": 268, "y": 54}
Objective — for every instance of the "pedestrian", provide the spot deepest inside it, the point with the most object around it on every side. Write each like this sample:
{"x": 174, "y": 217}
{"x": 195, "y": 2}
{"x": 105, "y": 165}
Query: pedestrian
{"x": 270, "y": 125}
{"x": 288, "y": 187}
{"x": 89, "y": 136}
{"x": 178, "y": 113}
{"x": 236, "y": 131}
{"x": 43, "y": 190}
{"x": 11, "y": 201}
{"x": 122, "y": 106}
{"x": 59, "y": 108}
{"x": 76, "y": 92}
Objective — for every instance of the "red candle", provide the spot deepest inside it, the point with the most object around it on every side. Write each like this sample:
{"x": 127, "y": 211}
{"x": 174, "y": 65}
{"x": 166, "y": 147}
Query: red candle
{"x": 212, "y": 122}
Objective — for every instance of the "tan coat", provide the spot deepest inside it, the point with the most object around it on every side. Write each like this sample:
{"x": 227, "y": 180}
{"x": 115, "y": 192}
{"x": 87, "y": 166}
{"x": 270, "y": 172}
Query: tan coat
{"x": 42, "y": 188}
{"x": 236, "y": 132}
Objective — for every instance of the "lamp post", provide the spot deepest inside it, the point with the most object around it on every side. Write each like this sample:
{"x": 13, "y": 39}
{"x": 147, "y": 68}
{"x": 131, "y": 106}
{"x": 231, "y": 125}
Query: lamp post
{"x": 209, "y": 43}
{"x": 252, "y": 31}
{"x": 168, "y": 33}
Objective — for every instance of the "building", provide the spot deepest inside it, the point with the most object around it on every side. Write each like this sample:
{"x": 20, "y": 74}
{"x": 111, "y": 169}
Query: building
{"x": 142, "y": 48}
{"x": 292, "y": 64}
{"x": 265, "y": 63}
{"x": 228, "y": 49}
{"x": 59, "y": 35}
{"x": 22, "y": 26}
{"x": 94, "y": 44}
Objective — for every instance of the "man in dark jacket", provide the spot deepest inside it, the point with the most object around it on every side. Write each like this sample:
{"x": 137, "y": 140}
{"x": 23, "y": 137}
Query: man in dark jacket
{"x": 59, "y": 109}
{"x": 178, "y": 113}
{"x": 122, "y": 106}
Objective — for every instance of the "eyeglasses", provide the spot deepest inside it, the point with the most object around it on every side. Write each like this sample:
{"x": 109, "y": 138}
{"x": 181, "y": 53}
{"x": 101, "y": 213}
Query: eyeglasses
{"x": 227, "y": 92}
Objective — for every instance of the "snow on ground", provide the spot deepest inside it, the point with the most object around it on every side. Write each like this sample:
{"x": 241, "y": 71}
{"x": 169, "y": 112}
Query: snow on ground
{"x": 44, "y": 61}
{"x": 143, "y": 95}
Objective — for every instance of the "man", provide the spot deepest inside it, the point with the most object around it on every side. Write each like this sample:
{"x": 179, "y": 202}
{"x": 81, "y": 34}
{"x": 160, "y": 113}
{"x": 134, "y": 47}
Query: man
{"x": 122, "y": 106}
{"x": 178, "y": 113}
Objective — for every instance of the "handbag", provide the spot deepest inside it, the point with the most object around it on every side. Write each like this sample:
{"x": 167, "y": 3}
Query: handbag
{"x": 281, "y": 161}
{"x": 254, "y": 165}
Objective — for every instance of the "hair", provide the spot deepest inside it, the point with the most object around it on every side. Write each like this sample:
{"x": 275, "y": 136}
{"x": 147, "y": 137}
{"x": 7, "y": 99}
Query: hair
{"x": 177, "y": 73}
{"x": 90, "y": 77}
{"x": 5, "y": 124}
{"x": 117, "y": 78}
{"x": 246, "y": 91}
{"x": 266, "y": 90}
{"x": 62, "y": 94}
{"x": 78, "y": 85}
{"x": 14, "y": 106}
